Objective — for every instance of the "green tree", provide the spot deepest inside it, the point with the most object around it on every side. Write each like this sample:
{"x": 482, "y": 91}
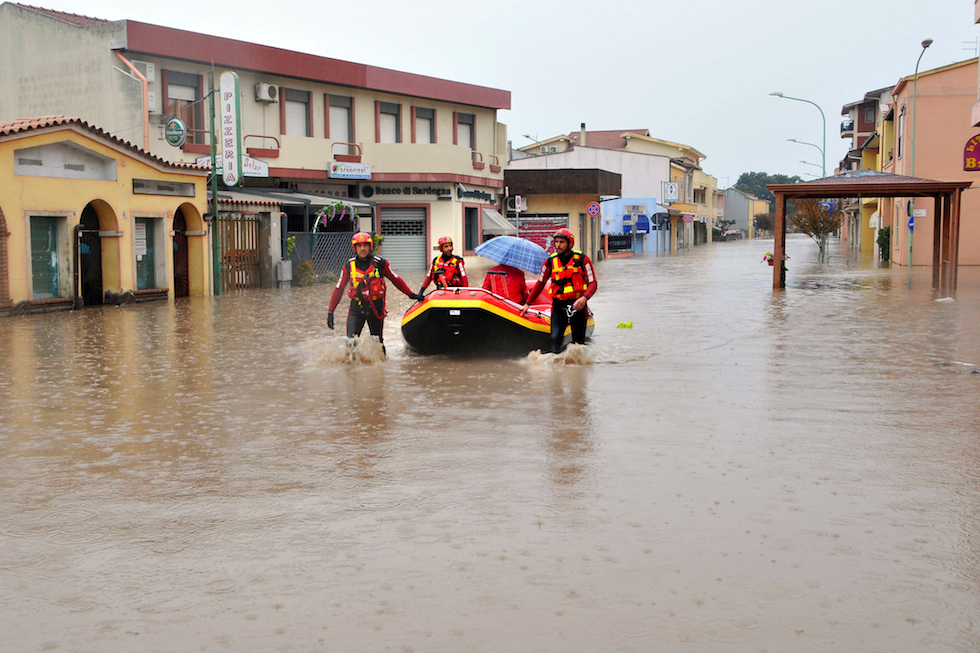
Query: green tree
{"x": 755, "y": 183}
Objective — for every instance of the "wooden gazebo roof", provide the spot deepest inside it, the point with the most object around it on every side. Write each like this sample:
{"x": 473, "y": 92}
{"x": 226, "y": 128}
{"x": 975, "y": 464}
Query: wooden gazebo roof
{"x": 871, "y": 183}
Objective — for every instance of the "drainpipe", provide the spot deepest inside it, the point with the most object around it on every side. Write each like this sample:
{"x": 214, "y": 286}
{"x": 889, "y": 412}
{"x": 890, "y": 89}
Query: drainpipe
{"x": 146, "y": 99}
{"x": 77, "y": 273}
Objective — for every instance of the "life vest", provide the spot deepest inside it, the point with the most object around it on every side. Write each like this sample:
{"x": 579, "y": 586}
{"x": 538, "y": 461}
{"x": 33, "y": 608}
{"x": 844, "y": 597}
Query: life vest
{"x": 567, "y": 281}
{"x": 367, "y": 283}
{"x": 446, "y": 273}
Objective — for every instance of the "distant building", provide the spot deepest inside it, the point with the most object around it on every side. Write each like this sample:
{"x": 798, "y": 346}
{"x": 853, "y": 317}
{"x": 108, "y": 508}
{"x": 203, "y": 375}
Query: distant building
{"x": 646, "y": 164}
{"x": 742, "y": 207}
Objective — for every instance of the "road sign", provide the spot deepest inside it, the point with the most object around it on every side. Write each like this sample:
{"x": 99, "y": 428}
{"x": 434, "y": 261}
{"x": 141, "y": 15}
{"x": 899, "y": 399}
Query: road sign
{"x": 911, "y": 224}
{"x": 688, "y": 217}
{"x": 593, "y": 209}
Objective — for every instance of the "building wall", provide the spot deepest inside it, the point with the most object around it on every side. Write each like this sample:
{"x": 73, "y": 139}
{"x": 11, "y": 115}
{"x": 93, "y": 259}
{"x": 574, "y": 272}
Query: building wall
{"x": 53, "y": 68}
{"x": 643, "y": 174}
{"x": 944, "y": 100}
{"x": 24, "y": 196}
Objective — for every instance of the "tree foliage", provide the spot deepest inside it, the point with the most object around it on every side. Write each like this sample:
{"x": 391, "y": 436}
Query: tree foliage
{"x": 755, "y": 183}
{"x": 816, "y": 218}
{"x": 765, "y": 221}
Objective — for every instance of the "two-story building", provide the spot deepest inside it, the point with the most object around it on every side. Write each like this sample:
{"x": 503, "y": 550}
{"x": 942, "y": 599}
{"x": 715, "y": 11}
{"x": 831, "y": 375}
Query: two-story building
{"x": 647, "y": 165}
{"x": 424, "y": 154}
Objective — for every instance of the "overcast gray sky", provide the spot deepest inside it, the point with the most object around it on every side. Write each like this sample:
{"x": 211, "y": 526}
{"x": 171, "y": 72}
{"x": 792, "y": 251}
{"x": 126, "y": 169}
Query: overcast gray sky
{"x": 697, "y": 72}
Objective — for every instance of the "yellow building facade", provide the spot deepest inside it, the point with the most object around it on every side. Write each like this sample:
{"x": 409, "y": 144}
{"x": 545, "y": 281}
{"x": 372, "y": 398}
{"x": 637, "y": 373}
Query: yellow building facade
{"x": 88, "y": 218}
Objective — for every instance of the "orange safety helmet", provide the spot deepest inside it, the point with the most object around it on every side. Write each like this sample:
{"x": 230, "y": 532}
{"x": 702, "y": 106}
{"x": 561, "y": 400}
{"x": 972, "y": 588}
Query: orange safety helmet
{"x": 362, "y": 237}
{"x": 566, "y": 234}
{"x": 444, "y": 240}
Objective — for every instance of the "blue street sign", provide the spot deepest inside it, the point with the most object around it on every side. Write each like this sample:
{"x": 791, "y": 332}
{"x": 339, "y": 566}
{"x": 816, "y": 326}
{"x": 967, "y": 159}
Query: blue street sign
{"x": 911, "y": 224}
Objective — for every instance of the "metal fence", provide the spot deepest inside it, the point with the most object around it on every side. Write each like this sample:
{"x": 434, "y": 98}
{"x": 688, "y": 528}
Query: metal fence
{"x": 328, "y": 251}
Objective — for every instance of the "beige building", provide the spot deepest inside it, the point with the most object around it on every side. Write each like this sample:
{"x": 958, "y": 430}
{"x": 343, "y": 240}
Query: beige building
{"x": 646, "y": 164}
{"x": 423, "y": 153}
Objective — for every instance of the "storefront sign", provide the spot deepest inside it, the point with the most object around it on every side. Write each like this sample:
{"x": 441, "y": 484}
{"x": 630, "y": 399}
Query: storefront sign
{"x": 671, "y": 191}
{"x": 338, "y": 170}
{"x": 971, "y": 154}
{"x": 230, "y": 129}
{"x": 250, "y": 167}
{"x": 371, "y": 191}
{"x": 475, "y": 194}
{"x": 175, "y": 132}
{"x": 540, "y": 231}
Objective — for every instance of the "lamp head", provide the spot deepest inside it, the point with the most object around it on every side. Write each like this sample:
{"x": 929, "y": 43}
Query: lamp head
{"x": 777, "y": 94}
{"x": 926, "y": 43}
{"x": 792, "y": 140}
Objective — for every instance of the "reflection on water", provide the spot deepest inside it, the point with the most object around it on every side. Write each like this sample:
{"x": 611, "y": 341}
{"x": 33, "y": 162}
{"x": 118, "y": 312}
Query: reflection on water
{"x": 740, "y": 471}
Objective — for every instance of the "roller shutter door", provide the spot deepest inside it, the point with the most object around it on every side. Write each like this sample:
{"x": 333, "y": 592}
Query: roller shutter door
{"x": 405, "y": 238}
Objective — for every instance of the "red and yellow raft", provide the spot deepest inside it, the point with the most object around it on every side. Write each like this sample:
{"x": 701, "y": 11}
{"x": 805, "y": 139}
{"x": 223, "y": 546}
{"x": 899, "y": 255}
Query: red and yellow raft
{"x": 474, "y": 320}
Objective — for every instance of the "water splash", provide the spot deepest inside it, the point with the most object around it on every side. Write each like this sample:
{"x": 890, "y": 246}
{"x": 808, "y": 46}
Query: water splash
{"x": 574, "y": 354}
{"x": 358, "y": 350}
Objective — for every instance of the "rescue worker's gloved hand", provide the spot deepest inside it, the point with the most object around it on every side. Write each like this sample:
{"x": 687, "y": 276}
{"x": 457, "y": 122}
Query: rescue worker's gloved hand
{"x": 417, "y": 296}
{"x": 330, "y": 320}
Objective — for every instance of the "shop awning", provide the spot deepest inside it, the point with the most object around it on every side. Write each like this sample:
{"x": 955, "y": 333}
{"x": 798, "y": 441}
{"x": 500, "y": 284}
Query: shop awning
{"x": 496, "y": 225}
{"x": 288, "y": 198}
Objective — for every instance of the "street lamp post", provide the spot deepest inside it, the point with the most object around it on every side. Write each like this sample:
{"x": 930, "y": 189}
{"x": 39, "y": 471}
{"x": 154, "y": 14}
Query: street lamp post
{"x": 539, "y": 143}
{"x": 915, "y": 83}
{"x": 822, "y": 116}
{"x": 815, "y": 165}
{"x": 819, "y": 149}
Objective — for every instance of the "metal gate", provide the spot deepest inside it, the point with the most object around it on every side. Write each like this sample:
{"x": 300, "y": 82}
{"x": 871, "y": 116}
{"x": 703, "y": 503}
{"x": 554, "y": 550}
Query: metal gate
{"x": 405, "y": 240}
{"x": 238, "y": 235}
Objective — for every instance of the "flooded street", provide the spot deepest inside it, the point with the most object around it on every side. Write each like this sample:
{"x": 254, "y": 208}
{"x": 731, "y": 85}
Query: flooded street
{"x": 740, "y": 471}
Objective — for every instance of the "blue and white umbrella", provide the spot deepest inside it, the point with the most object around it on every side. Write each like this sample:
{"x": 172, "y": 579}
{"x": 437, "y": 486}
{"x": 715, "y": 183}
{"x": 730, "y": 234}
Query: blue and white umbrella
{"x": 514, "y": 251}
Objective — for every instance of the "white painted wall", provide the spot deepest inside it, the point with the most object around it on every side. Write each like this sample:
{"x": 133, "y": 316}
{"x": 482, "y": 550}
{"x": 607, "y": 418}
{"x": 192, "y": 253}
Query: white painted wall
{"x": 643, "y": 174}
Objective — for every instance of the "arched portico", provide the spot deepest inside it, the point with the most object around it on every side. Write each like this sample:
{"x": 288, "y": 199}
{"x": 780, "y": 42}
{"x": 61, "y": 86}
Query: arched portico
{"x": 190, "y": 252}
{"x": 96, "y": 244}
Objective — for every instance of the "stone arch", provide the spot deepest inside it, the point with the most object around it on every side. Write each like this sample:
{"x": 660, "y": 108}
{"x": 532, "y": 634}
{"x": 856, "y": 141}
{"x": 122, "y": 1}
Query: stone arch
{"x": 110, "y": 245}
{"x": 194, "y": 238}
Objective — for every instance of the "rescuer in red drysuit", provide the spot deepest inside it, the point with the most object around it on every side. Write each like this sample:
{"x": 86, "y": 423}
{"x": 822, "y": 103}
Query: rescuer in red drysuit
{"x": 447, "y": 269}
{"x": 572, "y": 285}
{"x": 366, "y": 274}
{"x": 514, "y": 287}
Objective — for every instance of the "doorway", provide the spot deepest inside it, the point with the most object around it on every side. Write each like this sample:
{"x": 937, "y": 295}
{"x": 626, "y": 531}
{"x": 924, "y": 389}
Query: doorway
{"x": 182, "y": 283}
{"x": 90, "y": 258}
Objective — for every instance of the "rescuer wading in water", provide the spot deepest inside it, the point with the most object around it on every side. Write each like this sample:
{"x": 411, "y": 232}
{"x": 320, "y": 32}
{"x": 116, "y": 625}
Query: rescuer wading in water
{"x": 572, "y": 285}
{"x": 366, "y": 274}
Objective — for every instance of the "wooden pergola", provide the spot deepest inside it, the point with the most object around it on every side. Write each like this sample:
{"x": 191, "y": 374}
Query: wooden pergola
{"x": 871, "y": 183}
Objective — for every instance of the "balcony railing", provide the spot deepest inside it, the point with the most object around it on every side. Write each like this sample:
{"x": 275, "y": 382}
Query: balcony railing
{"x": 494, "y": 163}
{"x": 847, "y": 126}
{"x": 263, "y": 152}
{"x": 348, "y": 153}
{"x": 478, "y": 163}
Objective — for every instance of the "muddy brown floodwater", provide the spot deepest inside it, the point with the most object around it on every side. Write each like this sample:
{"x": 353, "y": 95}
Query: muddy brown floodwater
{"x": 740, "y": 471}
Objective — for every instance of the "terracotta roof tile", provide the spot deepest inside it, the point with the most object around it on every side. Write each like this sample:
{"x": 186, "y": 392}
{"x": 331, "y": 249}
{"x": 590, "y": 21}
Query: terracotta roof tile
{"x": 865, "y": 176}
{"x": 73, "y": 19}
{"x": 611, "y": 139}
{"x": 30, "y": 124}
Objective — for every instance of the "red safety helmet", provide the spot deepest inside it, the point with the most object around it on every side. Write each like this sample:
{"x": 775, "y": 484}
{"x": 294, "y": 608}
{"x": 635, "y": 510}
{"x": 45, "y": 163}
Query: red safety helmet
{"x": 444, "y": 240}
{"x": 566, "y": 234}
{"x": 362, "y": 237}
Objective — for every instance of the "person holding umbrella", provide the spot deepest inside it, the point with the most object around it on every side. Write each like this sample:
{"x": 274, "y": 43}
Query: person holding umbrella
{"x": 572, "y": 285}
{"x": 513, "y": 255}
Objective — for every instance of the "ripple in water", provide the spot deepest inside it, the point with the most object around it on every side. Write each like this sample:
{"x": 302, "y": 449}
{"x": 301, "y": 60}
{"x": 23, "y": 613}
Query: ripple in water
{"x": 349, "y": 351}
{"x": 573, "y": 355}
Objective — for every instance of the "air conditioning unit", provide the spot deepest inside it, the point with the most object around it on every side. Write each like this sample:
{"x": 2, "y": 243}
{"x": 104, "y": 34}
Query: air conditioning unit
{"x": 151, "y": 102}
{"x": 512, "y": 204}
{"x": 147, "y": 69}
{"x": 266, "y": 92}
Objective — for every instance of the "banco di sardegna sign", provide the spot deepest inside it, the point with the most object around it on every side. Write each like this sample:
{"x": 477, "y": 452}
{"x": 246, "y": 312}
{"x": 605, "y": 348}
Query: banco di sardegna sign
{"x": 971, "y": 154}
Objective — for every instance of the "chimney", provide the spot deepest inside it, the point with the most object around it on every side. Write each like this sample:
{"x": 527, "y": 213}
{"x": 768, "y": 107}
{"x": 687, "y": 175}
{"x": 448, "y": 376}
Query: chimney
{"x": 581, "y": 136}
